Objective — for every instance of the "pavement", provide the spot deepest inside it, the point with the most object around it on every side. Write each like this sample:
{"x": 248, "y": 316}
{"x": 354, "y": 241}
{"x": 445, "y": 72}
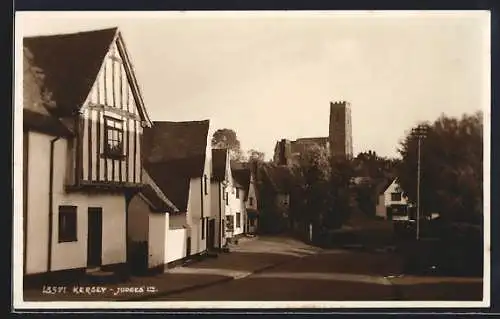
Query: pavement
{"x": 251, "y": 255}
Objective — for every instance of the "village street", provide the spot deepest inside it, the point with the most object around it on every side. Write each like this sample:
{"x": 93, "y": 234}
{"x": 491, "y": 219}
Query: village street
{"x": 304, "y": 273}
{"x": 280, "y": 268}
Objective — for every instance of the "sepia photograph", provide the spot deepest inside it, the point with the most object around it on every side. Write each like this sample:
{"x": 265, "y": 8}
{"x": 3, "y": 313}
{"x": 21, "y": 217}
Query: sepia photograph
{"x": 271, "y": 159}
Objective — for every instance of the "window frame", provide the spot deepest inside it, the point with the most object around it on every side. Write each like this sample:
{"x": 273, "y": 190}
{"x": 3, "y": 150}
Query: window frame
{"x": 205, "y": 183}
{"x": 65, "y": 235}
{"x": 229, "y": 223}
{"x": 400, "y": 196}
{"x": 238, "y": 220}
{"x": 110, "y": 125}
{"x": 250, "y": 200}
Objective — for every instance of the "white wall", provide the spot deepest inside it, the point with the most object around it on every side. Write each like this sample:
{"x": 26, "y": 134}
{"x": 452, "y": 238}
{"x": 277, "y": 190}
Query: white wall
{"x": 158, "y": 232}
{"x": 380, "y": 209}
{"x": 71, "y": 254}
{"x": 394, "y": 188}
{"x": 251, "y": 194}
{"x": 217, "y": 201}
{"x": 178, "y": 220}
{"x": 194, "y": 214}
{"x": 176, "y": 244}
{"x": 240, "y": 208}
{"x": 196, "y": 204}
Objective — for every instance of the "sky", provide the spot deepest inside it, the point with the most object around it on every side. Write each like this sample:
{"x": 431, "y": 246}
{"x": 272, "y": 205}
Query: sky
{"x": 272, "y": 75}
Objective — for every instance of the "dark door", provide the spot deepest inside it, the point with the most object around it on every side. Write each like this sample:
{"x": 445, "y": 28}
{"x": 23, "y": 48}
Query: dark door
{"x": 211, "y": 234}
{"x": 94, "y": 245}
{"x": 188, "y": 246}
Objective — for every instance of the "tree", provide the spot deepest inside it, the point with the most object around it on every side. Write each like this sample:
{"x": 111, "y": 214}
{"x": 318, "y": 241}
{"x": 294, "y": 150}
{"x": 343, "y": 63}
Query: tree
{"x": 255, "y": 155}
{"x": 226, "y": 138}
{"x": 451, "y": 168}
{"x": 324, "y": 189}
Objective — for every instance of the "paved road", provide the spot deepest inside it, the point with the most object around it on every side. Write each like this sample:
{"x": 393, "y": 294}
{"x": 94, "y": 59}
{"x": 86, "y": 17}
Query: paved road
{"x": 326, "y": 275}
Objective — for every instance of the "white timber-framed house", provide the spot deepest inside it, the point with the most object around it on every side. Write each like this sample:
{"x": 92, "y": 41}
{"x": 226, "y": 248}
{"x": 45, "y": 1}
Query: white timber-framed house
{"x": 83, "y": 119}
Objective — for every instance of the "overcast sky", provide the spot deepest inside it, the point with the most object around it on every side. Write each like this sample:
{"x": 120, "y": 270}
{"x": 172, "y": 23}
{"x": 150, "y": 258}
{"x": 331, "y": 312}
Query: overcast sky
{"x": 272, "y": 75}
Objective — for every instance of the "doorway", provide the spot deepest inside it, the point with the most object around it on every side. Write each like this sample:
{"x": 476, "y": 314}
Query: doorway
{"x": 211, "y": 234}
{"x": 94, "y": 243}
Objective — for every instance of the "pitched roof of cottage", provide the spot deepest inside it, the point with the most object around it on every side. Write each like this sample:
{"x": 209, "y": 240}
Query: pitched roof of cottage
{"x": 70, "y": 64}
{"x": 219, "y": 159}
{"x": 155, "y": 196}
{"x": 173, "y": 153}
{"x": 35, "y": 113}
{"x": 281, "y": 178}
{"x": 241, "y": 178}
{"x": 383, "y": 184}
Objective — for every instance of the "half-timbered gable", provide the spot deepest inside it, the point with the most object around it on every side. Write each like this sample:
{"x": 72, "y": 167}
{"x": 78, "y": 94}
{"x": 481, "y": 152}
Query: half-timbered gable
{"x": 104, "y": 106}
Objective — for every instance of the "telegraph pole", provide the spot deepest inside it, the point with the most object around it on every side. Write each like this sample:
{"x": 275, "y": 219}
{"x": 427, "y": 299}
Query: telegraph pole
{"x": 420, "y": 132}
{"x": 418, "y": 189}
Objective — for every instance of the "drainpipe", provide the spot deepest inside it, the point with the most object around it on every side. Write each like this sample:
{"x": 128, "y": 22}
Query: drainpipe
{"x": 220, "y": 217}
{"x": 202, "y": 210}
{"x": 51, "y": 208}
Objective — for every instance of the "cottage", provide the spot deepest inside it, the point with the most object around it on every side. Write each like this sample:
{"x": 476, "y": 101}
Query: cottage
{"x": 277, "y": 189}
{"x": 392, "y": 204}
{"x": 241, "y": 178}
{"x": 221, "y": 183}
{"x": 178, "y": 157}
{"x": 150, "y": 245}
{"x": 83, "y": 117}
{"x": 252, "y": 205}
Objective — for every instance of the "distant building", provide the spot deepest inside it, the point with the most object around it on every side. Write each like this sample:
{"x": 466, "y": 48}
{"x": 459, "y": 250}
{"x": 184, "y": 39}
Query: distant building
{"x": 338, "y": 143}
{"x": 340, "y": 132}
{"x": 392, "y": 204}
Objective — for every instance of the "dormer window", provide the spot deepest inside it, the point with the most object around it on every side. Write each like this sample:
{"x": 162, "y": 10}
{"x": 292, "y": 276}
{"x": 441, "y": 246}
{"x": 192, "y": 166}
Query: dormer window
{"x": 113, "y": 134}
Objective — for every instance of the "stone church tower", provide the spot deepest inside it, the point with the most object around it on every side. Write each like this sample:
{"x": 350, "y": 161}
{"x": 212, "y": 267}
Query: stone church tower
{"x": 340, "y": 133}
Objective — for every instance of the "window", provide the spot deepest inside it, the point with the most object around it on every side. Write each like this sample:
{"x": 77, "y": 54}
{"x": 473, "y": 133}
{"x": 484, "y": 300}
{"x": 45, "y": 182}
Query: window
{"x": 250, "y": 201}
{"x": 230, "y": 223}
{"x": 395, "y": 197}
{"x": 203, "y": 228}
{"x": 113, "y": 133}
{"x": 238, "y": 219}
{"x": 67, "y": 224}
{"x": 227, "y": 198}
{"x": 237, "y": 193}
{"x": 205, "y": 178}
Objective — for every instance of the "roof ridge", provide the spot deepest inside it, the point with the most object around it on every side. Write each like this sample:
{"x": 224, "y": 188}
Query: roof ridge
{"x": 71, "y": 33}
{"x": 182, "y": 122}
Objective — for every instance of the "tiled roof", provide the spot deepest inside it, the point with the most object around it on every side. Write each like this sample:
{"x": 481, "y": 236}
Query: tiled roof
{"x": 155, "y": 196}
{"x": 282, "y": 178}
{"x": 69, "y": 63}
{"x": 242, "y": 179}
{"x": 382, "y": 185}
{"x": 173, "y": 153}
{"x": 35, "y": 103}
{"x": 219, "y": 158}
